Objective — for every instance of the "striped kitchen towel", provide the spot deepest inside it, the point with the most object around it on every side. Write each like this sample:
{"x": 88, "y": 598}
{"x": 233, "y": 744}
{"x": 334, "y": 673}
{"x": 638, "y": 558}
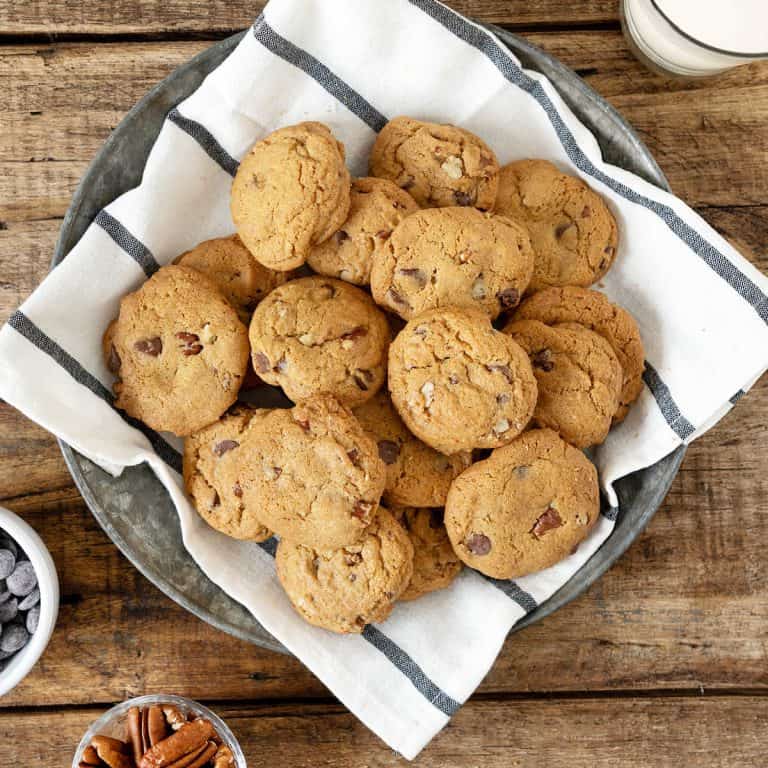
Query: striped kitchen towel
{"x": 353, "y": 64}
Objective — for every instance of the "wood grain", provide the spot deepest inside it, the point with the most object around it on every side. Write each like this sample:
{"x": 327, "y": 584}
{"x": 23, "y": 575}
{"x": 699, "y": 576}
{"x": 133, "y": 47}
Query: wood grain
{"x": 686, "y": 607}
{"x": 717, "y": 732}
{"x": 218, "y": 17}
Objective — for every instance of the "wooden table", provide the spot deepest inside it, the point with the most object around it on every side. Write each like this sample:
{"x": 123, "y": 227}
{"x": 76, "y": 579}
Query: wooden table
{"x": 663, "y": 662}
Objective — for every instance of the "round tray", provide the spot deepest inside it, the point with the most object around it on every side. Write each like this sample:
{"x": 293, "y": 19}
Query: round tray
{"x": 120, "y": 504}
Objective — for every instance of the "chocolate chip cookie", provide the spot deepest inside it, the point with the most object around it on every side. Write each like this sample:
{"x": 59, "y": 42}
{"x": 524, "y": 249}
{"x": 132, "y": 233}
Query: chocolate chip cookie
{"x": 290, "y": 193}
{"x": 573, "y": 232}
{"x": 179, "y": 352}
{"x": 344, "y": 589}
{"x": 593, "y": 310}
{"x": 243, "y": 281}
{"x": 579, "y": 379}
{"x": 438, "y": 165}
{"x": 435, "y": 564}
{"x": 524, "y": 508}
{"x": 211, "y": 471}
{"x": 377, "y": 207}
{"x": 452, "y": 257}
{"x": 417, "y": 475}
{"x": 317, "y": 334}
{"x": 458, "y": 384}
{"x": 309, "y": 473}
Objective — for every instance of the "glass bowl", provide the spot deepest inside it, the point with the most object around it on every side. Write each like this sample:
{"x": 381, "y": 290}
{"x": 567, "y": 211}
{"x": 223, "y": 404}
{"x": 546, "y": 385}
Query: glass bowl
{"x": 114, "y": 723}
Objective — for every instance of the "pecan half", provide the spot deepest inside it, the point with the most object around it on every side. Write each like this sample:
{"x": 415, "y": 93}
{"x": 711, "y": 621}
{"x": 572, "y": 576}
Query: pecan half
{"x": 189, "y": 739}
{"x": 190, "y": 343}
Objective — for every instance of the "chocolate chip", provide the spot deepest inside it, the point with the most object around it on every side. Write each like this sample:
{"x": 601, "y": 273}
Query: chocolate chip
{"x": 543, "y": 360}
{"x": 30, "y": 601}
{"x": 153, "y": 346}
{"x": 281, "y": 365}
{"x": 237, "y": 489}
{"x": 453, "y": 379}
{"x": 7, "y": 563}
{"x": 408, "y": 183}
{"x": 33, "y": 619}
{"x": 190, "y": 343}
{"x": 354, "y": 456}
{"x": 261, "y": 363}
{"x": 303, "y": 424}
{"x": 13, "y": 639}
{"x": 220, "y": 448}
{"x": 546, "y": 522}
{"x": 23, "y": 579}
{"x": 435, "y": 519}
{"x": 502, "y": 369}
{"x": 561, "y": 229}
{"x": 393, "y": 296}
{"x": 356, "y": 333}
{"x": 362, "y": 510}
{"x": 278, "y": 471}
{"x": 603, "y": 264}
{"x": 586, "y": 212}
{"x": 503, "y": 398}
{"x": 113, "y": 361}
{"x": 478, "y": 544}
{"x": 341, "y": 236}
{"x": 609, "y": 249}
{"x": 363, "y": 378}
{"x": 383, "y": 234}
{"x": 216, "y": 501}
{"x": 463, "y": 198}
{"x": 8, "y": 610}
{"x": 508, "y": 298}
{"x": 388, "y": 451}
{"x": 417, "y": 275}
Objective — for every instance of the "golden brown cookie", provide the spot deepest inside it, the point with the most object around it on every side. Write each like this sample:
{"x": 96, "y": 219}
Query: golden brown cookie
{"x": 243, "y": 281}
{"x": 211, "y": 470}
{"x": 290, "y": 193}
{"x": 452, "y": 257}
{"x": 377, "y": 207}
{"x": 438, "y": 165}
{"x": 344, "y": 589}
{"x": 417, "y": 475}
{"x": 524, "y": 508}
{"x": 593, "y": 310}
{"x": 435, "y": 564}
{"x": 317, "y": 334}
{"x": 579, "y": 379}
{"x": 458, "y": 384}
{"x": 309, "y": 473}
{"x": 573, "y": 232}
{"x": 179, "y": 350}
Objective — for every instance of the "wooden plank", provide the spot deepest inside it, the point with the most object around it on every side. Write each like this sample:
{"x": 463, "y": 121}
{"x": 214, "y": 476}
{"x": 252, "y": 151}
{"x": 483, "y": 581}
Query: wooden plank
{"x": 632, "y": 733}
{"x": 61, "y": 104}
{"x": 219, "y": 17}
{"x": 655, "y": 621}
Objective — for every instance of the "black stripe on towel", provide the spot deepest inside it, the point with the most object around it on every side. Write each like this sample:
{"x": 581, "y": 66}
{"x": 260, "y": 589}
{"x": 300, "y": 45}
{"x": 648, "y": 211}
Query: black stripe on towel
{"x": 735, "y": 399}
{"x": 609, "y": 513}
{"x": 514, "y": 592}
{"x": 131, "y": 245}
{"x": 500, "y": 58}
{"x": 304, "y": 61}
{"x": 669, "y": 409}
{"x": 399, "y": 658}
{"x": 411, "y": 670}
{"x": 26, "y": 328}
{"x": 206, "y": 140}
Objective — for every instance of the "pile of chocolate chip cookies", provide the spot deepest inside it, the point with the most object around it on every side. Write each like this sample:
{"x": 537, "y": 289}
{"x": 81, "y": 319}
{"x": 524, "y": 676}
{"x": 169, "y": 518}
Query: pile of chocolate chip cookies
{"x": 444, "y": 352}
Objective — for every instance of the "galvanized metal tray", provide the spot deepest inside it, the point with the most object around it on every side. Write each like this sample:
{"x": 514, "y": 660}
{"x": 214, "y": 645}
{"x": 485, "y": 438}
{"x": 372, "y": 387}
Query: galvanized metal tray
{"x": 134, "y": 507}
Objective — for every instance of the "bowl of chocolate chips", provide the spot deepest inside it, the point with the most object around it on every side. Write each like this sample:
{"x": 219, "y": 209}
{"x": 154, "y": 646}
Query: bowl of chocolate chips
{"x": 29, "y": 599}
{"x": 159, "y": 731}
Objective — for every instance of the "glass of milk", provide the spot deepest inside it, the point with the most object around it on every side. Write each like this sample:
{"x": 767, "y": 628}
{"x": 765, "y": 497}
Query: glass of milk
{"x": 696, "y": 38}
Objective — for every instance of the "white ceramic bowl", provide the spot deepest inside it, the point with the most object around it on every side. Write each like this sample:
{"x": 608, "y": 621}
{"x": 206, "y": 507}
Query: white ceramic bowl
{"x": 18, "y": 666}
{"x": 113, "y": 723}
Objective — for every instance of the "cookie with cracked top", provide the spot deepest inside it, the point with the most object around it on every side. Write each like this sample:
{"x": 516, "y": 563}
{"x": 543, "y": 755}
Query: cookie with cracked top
{"x": 435, "y": 564}
{"x": 310, "y": 473}
{"x": 573, "y": 232}
{"x": 438, "y": 164}
{"x": 452, "y": 257}
{"x": 525, "y": 508}
{"x": 458, "y": 383}
{"x": 291, "y": 192}
{"x": 377, "y": 207}
{"x": 593, "y": 310}
{"x": 579, "y": 378}
{"x": 179, "y": 351}
{"x": 344, "y": 589}
{"x": 243, "y": 281}
{"x": 318, "y": 334}
{"x": 417, "y": 475}
{"x": 211, "y": 472}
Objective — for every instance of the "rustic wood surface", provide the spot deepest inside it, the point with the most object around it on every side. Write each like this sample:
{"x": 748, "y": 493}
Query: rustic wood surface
{"x": 663, "y": 662}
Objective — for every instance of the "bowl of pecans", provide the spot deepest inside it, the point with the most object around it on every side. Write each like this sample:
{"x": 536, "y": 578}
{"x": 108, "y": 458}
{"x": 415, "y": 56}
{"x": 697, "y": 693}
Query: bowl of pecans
{"x": 157, "y": 731}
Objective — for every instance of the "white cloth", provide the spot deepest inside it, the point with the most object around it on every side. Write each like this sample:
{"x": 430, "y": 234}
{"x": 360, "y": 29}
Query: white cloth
{"x": 352, "y": 64}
